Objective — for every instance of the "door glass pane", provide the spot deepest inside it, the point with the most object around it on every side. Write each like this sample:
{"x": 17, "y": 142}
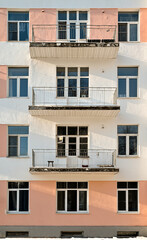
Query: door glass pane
{"x": 82, "y": 200}
{"x": 133, "y": 145}
{"x": 133, "y": 32}
{"x": 12, "y": 200}
{"x": 23, "y": 146}
{"x": 71, "y": 200}
{"x": 13, "y": 145}
{"x": 12, "y": 87}
{"x": 133, "y": 200}
{"x": 121, "y": 200}
{"x": 12, "y": 31}
{"x": 23, "y": 31}
{"x": 132, "y": 87}
{"x": 60, "y": 87}
{"x": 23, "y": 200}
{"x": 72, "y": 87}
{"x": 61, "y": 200}
{"x": 122, "y": 32}
{"x": 23, "y": 87}
{"x": 72, "y": 146}
{"x": 61, "y": 147}
{"x": 121, "y": 87}
{"x": 72, "y": 31}
{"x": 62, "y": 30}
{"x": 121, "y": 145}
{"x": 84, "y": 87}
{"x": 83, "y": 147}
{"x": 83, "y": 30}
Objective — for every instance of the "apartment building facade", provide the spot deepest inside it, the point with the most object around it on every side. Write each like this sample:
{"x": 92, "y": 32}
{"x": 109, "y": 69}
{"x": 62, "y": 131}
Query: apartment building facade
{"x": 73, "y": 97}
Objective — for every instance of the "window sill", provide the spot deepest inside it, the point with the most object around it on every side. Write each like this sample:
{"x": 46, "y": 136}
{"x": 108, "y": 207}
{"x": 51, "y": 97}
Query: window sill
{"x": 18, "y": 41}
{"x": 126, "y": 98}
{"x": 18, "y": 97}
{"x": 18, "y": 157}
{"x": 129, "y": 156}
{"x": 129, "y": 41}
{"x": 121, "y": 213}
{"x": 72, "y": 213}
{"x": 17, "y": 213}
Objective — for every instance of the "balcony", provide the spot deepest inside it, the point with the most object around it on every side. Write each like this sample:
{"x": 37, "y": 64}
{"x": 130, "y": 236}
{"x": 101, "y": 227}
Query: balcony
{"x": 47, "y": 160}
{"x": 74, "y": 41}
{"x": 86, "y": 101}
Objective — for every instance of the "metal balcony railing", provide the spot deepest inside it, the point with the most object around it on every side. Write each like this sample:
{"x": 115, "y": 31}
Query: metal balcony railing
{"x": 92, "y": 158}
{"x": 75, "y": 96}
{"x": 63, "y": 32}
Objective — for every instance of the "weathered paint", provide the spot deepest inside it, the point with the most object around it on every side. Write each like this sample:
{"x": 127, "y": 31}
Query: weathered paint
{"x": 3, "y": 24}
{"x": 3, "y": 81}
{"x": 3, "y": 140}
{"x": 143, "y": 29}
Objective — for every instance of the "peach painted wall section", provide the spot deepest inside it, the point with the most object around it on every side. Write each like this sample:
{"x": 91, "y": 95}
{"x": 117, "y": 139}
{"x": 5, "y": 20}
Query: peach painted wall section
{"x": 46, "y": 17}
{"x": 3, "y": 140}
{"x": 103, "y": 18}
{"x": 3, "y": 81}
{"x": 3, "y": 24}
{"x": 102, "y": 207}
{"x": 143, "y": 28}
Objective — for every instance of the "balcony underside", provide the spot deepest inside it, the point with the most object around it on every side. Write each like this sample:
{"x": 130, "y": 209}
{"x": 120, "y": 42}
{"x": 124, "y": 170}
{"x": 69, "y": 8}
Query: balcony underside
{"x": 105, "y": 170}
{"x": 73, "y": 111}
{"x": 73, "y": 50}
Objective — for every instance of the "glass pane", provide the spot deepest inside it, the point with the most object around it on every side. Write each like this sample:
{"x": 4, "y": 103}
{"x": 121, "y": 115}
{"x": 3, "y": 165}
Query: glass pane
{"x": 72, "y": 184}
{"x": 83, "y": 30}
{"x": 72, "y": 87}
{"x": 122, "y": 129}
{"x": 133, "y": 200}
{"x": 121, "y": 145}
{"x": 60, "y": 71}
{"x": 18, "y": 16}
{"x": 82, "y": 200}
{"x": 82, "y": 185}
{"x": 83, "y": 15}
{"x": 72, "y": 130}
{"x": 21, "y": 71}
{"x": 72, "y": 147}
{"x": 23, "y": 200}
{"x": 84, "y": 71}
{"x": 133, "y": 145}
{"x": 72, "y": 71}
{"x": 60, "y": 87}
{"x": 62, "y": 15}
{"x": 12, "y": 200}
{"x": 61, "y": 149}
{"x": 132, "y": 87}
{"x": 84, "y": 87}
{"x": 62, "y": 30}
{"x": 71, "y": 200}
{"x": 83, "y": 130}
{"x": 61, "y": 200}
{"x": 121, "y": 200}
{"x": 61, "y": 130}
{"x": 84, "y": 147}
{"x": 132, "y": 185}
{"x": 61, "y": 184}
{"x": 122, "y": 185}
{"x": 127, "y": 129}
{"x": 12, "y": 185}
{"x": 133, "y": 32}
{"x": 128, "y": 16}
{"x": 23, "y": 87}
{"x": 122, "y": 32}
{"x": 127, "y": 71}
{"x": 18, "y": 130}
{"x": 72, "y": 31}
{"x": 23, "y": 184}
{"x": 72, "y": 15}
{"x": 12, "y": 87}
{"x": 13, "y": 146}
{"x": 23, "y": 146}
{"x": 23, "y": 31}
{"x": 121, "y": 87}
{"x": 12, "y": 31}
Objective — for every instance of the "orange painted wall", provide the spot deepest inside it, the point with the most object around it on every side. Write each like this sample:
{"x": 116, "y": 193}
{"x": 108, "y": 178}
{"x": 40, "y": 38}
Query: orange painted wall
{"x": 3, "y": 81}
{"x": 143, "y": 28}
{"x": 99, "y": 16}
{"x": 48, "y": 17}
{"x": 3, "y": 140}
{"x": 3, "y": 24}
{"x": 102, "y": 207}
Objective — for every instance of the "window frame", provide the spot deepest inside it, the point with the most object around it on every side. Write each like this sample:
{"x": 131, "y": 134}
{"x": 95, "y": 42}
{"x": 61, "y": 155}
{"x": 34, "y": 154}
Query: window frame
{"x": 78, "y": 190}
{"x": 127, "y": 190}
{"x": 17, "y": 190}
{"x": 18, "y": 22}
{"x": 18, "y": 85}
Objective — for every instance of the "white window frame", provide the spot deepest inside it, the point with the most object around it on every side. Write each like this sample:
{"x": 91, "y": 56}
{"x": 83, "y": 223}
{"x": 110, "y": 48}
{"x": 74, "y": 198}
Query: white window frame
{"x": 66, "y": 87}
{"x": 18, "y": 85}
{"x": 77, "y": 23}
{"x": 127, "y": 202}
{"x": 127, "y": 86}
{"x": 67, "y": 141}
{"x": 78, "y": 190}
{"x": 17, "y": 190}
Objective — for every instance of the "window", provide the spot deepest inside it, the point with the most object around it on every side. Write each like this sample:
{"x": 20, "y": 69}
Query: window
{"x": 127, "y": 196}
{"x": 72, "y": 196}
{"x": 73, "y": 82}
{"x": 72, "y": 25}
{"x": 18, "y": 26}
{"x": 127, "y": 82}
{"x": 18, "y": 196}
{"x": 128, "y": 26}
{"x": 72, "y": 141}
{"x": 127, "y": 140}
{"x": 18, "y": 81}
{"x": 18, "y": 141}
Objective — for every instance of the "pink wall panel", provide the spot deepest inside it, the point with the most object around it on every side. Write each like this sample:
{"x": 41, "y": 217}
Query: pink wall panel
{"x": 3, "y": 140}
{"x": 143, "y": 21}
{"x": 46, "y": 17}
{"x": 3, "y": 81}
{"x": 3, "y": 24}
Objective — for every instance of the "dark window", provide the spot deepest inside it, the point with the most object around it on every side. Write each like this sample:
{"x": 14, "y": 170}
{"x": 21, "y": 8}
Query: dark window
{"x": 121, "y": 87}
{"x": 122, "y": 32}
{"x": 129, "y": 129}
{"x": 133, "y": 200}
{"x": 128, "y": 16}
{"x": 83, "y": 15}
{"x": 60, "y": 87}
{"x": 17, "y": 234}
{"x": 62, "y": 15}
{"x": 72, "y": 87}
{"x": 132, "y": 87}
{"x": 122, "y": 145}
{"x": 121, "y": 200}
{"x": 133, "y": 145}
{"x": 127, "y": 71}
{"x": 72, "y": 130}
{"x": 61, "y": 130}
{"x": 71, "y": 200}
{"x": 82, "y": 200}
{"x": 61, "y": 200}
{"x": 72, "y": 15}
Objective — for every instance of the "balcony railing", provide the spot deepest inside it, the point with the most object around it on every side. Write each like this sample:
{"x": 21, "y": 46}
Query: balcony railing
{"x": 90, "y": 158}
{"x": 62, "y": 32}
{"x": 73, "y": 96}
